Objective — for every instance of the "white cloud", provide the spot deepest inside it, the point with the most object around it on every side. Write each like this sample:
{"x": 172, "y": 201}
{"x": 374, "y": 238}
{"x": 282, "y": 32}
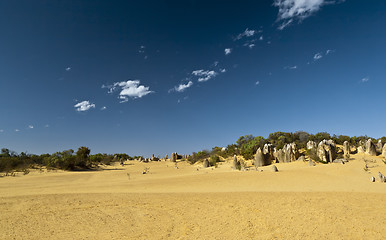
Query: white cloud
{"x": 251, "y": 45}
{"x": 204, "y": 75}
{"x": 84, "y": 106}
{"x": 183, "y": 87}
{"x": 257, "y": 82}
{"x": 227, "y": 51}
{"x": 365, "y": 79}
{"x": 17, "y": 130}
{"x": 103, "y": 108}
{"x": 30, "y": 127}
{"x": 261, "y": 38}
{"x": 329, "y": 51}
{"x": 130, "y": 88}
{"x": 246, "y": 33}
{"x": 290, "y": 10}
{"x": 215, "y": 63}
{"x": 68, "y": 69}
{"x": 318, "y": 56}
{"x": 291, "y": 67}
{"x": 223, "y": 70}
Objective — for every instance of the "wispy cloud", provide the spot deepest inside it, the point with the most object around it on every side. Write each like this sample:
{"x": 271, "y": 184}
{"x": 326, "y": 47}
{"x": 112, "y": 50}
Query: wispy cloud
{"x": 329, "y": 51}
{"x": 223, "y": 70}
{"x": 291, "y": 67}
{"x": 227, "y": 51}
{"x": 84, "y": 106}
{"x": 318, "y": 56}
{"x": 246, "y": 33}
{"x": 257, "y": 82}
{"x": 182, "y": 87}
{"x": 365, "y": 79}
{"x": 1, "y": 130}
{"x": 103, "y": 108}
{"x": 17, "y": 130}
{"x": 291, "y": 10}
{"x": 68, "y": 69}
{"x": 128, "y": 89}
{"x": 47, "y": 126}
{"x": 30, "y": 126}
{"x": 204, "y": 75}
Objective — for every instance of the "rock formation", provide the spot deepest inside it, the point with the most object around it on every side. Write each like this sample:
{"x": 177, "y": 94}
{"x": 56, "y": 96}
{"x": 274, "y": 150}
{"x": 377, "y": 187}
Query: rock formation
{"x": 236, "y": 164}
{"x": 274, "y": 169}
{"x": 173, "y": 157}
{"x": 260, "y": 159}
{"x": 382, "y": 177}
{"x": 311, "y": 145}
{"x": 346, "y": 149}
{"x": 206, "y": 163}
{"x": 327, "y": 151}
{"x": 280, "y": 156}
{"x": 370, "y": 148}
{"x": 379, "y": 145}
{"x": 268, "y": 151}
{"x": 360, "y": 149}
{"x": 384, "y": 151}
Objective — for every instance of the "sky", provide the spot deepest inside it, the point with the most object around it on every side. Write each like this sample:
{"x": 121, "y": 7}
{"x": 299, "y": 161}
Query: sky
{"x": 144, "y": 77}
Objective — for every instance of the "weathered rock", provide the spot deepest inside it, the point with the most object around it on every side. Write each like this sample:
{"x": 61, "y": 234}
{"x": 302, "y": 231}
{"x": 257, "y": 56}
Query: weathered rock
{"x": 311, "y": 145}
{"x": 311, "y": 163}
{"x": 274, "y": 169}
{"x": 372, "y": 179}
{"x": 280, "y": 156}
{"x": 360, "y": 149}
{"x": 166, "y": 157}
{"x": 384, "y": 151}
{"x": 382, "y": 177}
{"x": 346, "y": 149}
{"x": 326, "y": 150}
{"x": 291, "y": 152}
{"x": 235, "y": 164}
{"x": 206, "y": 163}
{"x": 340, "y": 160}
{"x": 260, "y": 159}
{"x": 173, "y": 157}
{"x": 268, "y": 151}
{"x": 379, "y": 145}
{"x": 370, "y": 148}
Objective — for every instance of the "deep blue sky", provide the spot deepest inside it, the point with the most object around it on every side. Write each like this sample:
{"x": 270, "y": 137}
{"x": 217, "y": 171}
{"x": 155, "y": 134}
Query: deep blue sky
{"x": 324, "y": 71}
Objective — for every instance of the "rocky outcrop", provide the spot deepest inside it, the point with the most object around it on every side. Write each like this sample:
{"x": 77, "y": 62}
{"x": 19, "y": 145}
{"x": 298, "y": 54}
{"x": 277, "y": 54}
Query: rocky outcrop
{"x": 268, "y": 151}
{"x": 291, "y": 152}
{"x": 260, "y": 159}
{"x": 382, "y": 177}
{"x": 360, "y": 149}
{"x": 274, "y": 169}
{"x": 346, "y": 149}
{"x": 384, "y": 151}
{"x": 206, "y": 163}
{"x": 236, "y": 164}
{"x": 280, "y": 156}
{"x": 379, "y": 145}
{"x": 370, "y": 148}
{"x": 326, "y": 151}
{"x": 311, "y": 145}
{"x": 173, "y": 157}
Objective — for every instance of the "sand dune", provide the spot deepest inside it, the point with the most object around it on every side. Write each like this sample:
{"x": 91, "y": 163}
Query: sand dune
{"x": 331, "y": 201}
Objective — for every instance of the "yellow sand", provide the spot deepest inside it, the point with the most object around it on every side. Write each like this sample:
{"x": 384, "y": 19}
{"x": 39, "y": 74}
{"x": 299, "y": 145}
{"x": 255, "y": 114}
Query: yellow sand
{"x": 332, "y": 201}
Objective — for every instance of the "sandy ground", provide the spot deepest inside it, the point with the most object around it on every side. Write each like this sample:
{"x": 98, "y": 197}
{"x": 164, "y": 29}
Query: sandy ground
{"x": 332, "y": 201}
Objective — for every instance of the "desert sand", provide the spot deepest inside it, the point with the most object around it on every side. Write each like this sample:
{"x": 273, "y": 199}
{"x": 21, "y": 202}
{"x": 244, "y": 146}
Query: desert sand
{"x": 327, "y": 201}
